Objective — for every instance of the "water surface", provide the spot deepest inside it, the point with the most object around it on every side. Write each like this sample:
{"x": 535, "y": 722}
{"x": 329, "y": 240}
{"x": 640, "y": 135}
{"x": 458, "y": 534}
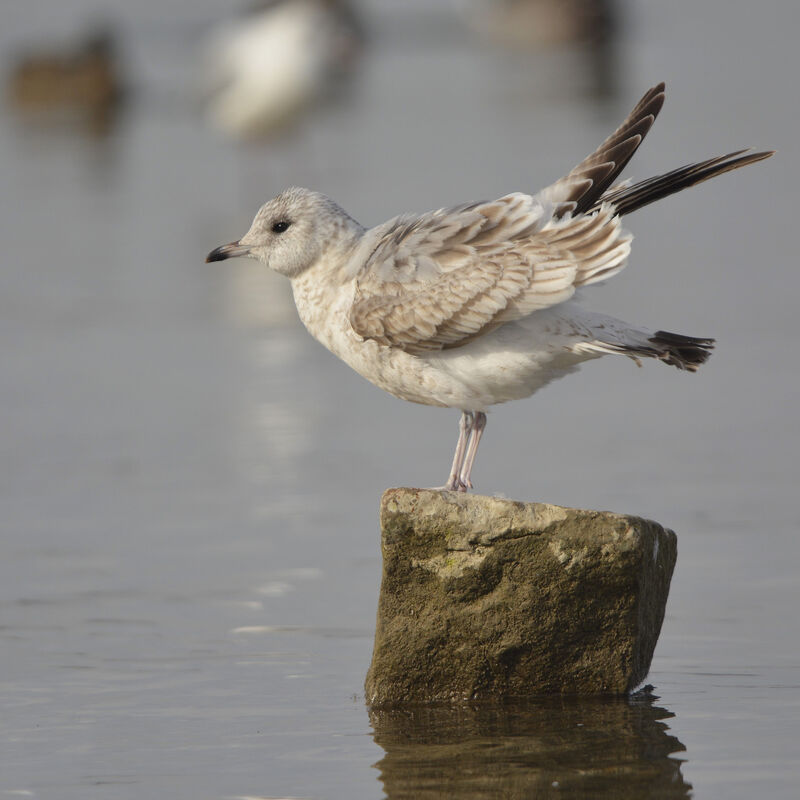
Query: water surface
{"x": 190, "y": 484}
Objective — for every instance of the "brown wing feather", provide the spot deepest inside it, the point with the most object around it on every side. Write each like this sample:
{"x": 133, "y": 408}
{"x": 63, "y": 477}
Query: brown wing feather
{"x": 442, "y": 279}
{"x": 627, "y": 199}
{"x": 585, "y": 184}
{"x": 439, "y": 280}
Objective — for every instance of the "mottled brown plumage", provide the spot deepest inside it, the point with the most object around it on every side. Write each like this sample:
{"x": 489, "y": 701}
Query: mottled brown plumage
{"x": 441, "y": 280}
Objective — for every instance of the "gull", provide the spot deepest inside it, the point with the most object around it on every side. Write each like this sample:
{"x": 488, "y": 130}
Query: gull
{"x": 264, "y": 69}
{"x": 471, "y": 306}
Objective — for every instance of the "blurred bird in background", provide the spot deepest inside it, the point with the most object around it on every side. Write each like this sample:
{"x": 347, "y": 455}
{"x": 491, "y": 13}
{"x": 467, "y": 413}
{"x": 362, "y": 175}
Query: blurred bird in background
{"x": 542, "y": 22}
{"x": 592, "y": 26}
{"x": 78, "y": 83}
{"x": 264, "y": 69}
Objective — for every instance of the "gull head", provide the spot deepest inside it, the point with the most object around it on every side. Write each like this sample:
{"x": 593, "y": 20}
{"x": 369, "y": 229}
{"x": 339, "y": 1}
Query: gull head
{"x": 291, "y": 231}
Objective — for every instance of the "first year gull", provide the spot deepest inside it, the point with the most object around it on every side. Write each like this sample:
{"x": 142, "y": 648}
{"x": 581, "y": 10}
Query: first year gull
{"x": 471, "y": 306}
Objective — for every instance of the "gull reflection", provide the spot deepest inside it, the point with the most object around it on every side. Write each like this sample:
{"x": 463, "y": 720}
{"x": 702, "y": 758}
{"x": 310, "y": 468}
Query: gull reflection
{"x": 549, "y": 747}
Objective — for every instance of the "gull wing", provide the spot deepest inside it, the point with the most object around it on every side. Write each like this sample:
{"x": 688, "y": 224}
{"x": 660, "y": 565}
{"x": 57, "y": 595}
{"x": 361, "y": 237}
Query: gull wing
{"x": 628, "y": 198}
{"x": 583, "y": 187}
{"x": 441, "y": 279}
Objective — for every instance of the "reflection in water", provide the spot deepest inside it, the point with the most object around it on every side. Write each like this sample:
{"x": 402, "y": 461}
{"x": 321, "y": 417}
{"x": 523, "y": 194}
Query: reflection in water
{"x": 559, "y": 747}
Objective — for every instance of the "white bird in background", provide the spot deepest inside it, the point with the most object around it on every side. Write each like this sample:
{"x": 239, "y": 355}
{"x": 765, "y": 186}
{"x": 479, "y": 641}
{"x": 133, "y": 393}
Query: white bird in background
{"x": 267, "y": 67}
{"x": 470, "y": 306}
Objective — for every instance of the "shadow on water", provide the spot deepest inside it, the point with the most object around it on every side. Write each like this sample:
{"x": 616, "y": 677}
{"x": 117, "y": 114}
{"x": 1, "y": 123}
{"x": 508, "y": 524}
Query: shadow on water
{"x": 549, "y": 747}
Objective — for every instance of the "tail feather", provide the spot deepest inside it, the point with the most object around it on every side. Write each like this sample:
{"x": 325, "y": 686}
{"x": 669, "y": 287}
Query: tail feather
{"x": 683, "y": 352}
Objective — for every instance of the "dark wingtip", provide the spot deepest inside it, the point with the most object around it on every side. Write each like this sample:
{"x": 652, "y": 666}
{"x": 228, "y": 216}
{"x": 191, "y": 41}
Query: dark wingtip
{"x": 604, "y": 165}
{"x": 628, "y": 199}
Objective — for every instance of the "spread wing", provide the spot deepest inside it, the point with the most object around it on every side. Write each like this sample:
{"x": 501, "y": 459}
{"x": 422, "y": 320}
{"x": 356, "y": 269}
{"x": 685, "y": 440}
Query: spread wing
{"x": 439, "y": 280}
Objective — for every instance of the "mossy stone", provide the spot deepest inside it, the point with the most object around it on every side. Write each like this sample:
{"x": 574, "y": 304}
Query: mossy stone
{"x": 485, "y": 597}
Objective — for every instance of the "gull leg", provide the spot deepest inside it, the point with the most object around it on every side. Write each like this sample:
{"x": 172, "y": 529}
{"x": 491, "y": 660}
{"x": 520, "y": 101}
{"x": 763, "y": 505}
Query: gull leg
{"x": 478, "y": 425}
{"x": 464, "y": 430}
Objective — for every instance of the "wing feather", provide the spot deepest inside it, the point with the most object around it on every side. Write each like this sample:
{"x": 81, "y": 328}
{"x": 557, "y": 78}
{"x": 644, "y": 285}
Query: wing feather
{"x": 585, "y": 184}
{"x": 439, "y": 280}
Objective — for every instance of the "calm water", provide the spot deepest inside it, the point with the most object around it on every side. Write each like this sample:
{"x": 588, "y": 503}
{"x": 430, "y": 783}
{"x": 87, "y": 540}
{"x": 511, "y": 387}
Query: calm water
{"x": 190, "y": 484}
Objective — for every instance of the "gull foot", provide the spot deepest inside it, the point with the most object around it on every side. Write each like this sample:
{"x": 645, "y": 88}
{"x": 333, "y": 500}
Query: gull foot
{"x": 453, "y": 485}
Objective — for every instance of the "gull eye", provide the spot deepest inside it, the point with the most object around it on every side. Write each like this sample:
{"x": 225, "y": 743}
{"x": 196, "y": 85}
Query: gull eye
{"x": 281, "y": 226}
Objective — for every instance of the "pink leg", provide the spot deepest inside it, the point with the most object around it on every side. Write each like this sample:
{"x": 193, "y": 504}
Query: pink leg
{"x": 464, "y": 430}
{"x": 472, "y": 448}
